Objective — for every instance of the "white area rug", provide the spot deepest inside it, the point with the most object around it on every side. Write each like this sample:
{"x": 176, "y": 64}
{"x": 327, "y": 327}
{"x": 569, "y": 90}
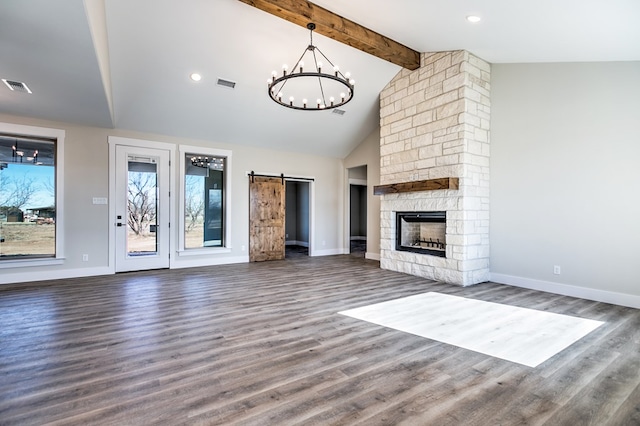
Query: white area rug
{"x": 521, "y": 335}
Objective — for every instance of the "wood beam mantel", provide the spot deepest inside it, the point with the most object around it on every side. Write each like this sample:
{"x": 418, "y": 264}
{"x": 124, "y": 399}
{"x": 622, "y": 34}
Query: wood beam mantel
{"x": 418, "y": 185}
{"x": 334, "y": 26}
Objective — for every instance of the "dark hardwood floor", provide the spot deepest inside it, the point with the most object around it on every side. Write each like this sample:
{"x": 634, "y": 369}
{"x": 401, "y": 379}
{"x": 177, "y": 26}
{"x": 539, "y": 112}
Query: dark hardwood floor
{"x": 263, "y": 344}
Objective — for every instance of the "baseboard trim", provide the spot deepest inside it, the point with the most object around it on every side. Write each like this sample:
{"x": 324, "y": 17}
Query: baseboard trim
{"x": 196, "y": 263}
{"x": 372, "y": 256}
{"x": 22, "y": 277}
{"x": 329, "y": 252}
{"x": 622, "y": 299}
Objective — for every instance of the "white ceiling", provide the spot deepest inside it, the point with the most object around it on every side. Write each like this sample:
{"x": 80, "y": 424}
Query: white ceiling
{"x": 148, "y": 48}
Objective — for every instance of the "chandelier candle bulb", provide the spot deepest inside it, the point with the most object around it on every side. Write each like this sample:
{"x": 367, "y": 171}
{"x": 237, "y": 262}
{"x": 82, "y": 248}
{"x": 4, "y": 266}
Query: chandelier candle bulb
{"x": 291, "y": 100}
{"x": 332, "y": 99}
{"x": 304, "y": 103}
{"x": 301, "y": 65}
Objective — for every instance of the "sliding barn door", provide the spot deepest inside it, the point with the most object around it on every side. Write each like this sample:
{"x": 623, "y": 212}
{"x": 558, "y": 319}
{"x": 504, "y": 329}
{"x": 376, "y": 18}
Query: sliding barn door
{"x": 266, "y": 219}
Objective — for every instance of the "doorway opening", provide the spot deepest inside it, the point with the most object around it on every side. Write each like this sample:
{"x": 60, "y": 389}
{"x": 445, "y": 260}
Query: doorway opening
{"x": 297, "y": 218}
{"x": 358, "y": 211}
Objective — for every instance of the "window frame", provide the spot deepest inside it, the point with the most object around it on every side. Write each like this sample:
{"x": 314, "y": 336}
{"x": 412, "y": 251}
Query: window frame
{"x": 59, "y": 136}
{"x": 198, "y": 150}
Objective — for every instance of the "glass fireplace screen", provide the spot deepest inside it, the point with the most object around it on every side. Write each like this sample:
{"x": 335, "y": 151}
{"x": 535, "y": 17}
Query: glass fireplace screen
{"x": 422, "y": 232}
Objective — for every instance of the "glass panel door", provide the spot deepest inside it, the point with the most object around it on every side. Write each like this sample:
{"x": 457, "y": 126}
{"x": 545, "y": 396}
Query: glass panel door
{"x": 141, "y": 208}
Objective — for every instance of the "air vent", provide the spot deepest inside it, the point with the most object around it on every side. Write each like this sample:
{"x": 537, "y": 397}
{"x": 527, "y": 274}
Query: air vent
{"x": 226, "y": 83}
{"x": 338, "y": 111}
{"x": 16, "y": 86}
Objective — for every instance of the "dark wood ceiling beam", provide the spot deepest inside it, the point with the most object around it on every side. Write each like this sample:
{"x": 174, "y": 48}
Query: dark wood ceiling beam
{"x": 334, "y": 26}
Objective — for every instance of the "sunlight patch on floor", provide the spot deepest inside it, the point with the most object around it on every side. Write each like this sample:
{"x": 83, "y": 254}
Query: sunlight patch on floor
{"x": 521, "y": 335}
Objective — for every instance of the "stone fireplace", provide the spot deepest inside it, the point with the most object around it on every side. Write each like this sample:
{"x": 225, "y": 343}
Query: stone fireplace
{"x": 434, "y": 127}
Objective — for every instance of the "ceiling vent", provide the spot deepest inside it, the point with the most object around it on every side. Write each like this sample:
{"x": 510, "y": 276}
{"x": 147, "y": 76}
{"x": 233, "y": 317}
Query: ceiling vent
{"x": 338, "y": 111}
{"x": 16, "y": 86}
{"x": 226, "y": 83}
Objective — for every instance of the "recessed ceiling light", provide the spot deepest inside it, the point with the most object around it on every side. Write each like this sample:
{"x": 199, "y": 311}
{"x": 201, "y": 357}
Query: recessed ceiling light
{"x": 195, "y": 76}
{"x": 474, "y": 18}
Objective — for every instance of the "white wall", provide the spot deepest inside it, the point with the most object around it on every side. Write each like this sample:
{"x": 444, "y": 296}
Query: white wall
{"x": 86, "y": 175}
{"x": 565, "y": 178}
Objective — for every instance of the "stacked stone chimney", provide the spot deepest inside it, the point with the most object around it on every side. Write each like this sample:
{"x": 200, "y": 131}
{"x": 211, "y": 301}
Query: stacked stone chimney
{"x": 434, "y": 124}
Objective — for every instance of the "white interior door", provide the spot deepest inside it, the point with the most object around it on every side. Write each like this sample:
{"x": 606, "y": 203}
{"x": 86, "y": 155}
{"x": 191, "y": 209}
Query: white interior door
{"x": 141, "y": 208}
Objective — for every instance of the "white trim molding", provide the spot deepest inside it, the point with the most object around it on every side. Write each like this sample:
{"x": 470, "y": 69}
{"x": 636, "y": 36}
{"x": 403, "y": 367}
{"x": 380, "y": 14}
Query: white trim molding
{"x": 329, "y": 252}
{"x": 209, "y": 261}
{"x": 137, "y": 143}
{"x": 21, "y": 277}
{"x": 372, "y": 256}
{"x": 615, "y": 298}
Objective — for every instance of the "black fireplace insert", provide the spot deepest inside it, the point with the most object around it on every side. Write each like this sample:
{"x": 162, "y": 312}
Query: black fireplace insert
{"x": 422, "y": 232}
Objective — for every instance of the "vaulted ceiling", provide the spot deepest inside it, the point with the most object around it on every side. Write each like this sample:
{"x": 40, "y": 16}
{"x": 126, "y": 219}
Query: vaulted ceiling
{"x": 126, "y": 63}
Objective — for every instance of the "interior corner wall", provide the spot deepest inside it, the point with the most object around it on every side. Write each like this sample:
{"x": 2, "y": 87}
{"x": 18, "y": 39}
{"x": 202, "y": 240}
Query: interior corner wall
{"x": 368, "y": 153}
{"x": 565, "y": 178}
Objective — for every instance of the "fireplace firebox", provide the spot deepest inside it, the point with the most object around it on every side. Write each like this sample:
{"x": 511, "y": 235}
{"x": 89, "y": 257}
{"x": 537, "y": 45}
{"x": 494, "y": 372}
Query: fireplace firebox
{"x": 422, "y": 232}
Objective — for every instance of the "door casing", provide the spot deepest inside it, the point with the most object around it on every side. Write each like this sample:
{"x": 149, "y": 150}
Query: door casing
{"x": 115, "y": 141}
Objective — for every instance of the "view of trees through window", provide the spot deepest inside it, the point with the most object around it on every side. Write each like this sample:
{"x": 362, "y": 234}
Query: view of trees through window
{"x": 203, "y": 201}
{"x": 142, "y": 208}
{"x": 27, "y": 197}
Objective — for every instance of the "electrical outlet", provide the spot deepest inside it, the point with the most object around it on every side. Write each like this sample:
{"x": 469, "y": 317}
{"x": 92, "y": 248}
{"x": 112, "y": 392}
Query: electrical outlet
{"x": 556, "y": 270}
{"x": 85, "y": 257}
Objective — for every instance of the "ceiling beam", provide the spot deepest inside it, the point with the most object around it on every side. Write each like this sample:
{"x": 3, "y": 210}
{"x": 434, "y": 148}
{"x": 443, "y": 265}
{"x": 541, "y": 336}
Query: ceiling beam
{"x": 334, "y": 26}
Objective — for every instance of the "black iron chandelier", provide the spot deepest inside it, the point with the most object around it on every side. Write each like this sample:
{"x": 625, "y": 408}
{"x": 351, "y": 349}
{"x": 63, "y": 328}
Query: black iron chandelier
{"x": 18, "y": 155}
{"x": 338, "y": 86}
{"x": 208, "y": 162}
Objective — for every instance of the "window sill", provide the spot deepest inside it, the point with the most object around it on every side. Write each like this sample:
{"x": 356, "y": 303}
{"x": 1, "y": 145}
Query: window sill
{"x": 28, "y": 263}
{"x": 204, "y": 251}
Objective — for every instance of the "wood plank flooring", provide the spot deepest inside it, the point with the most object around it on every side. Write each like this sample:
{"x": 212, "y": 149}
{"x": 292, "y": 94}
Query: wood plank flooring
{"x": 262, "y": 344}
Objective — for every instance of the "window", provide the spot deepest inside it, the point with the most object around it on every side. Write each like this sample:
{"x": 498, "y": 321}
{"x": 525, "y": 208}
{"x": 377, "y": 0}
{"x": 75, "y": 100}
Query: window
{"x": 204, "y": 221}
{"x": 29, "y": 193}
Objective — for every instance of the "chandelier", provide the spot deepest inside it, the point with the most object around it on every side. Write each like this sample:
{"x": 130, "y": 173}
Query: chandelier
{"x": 213, "y": 163}
{"x": 338, "y": 86}
{"x": 18, "y": 155}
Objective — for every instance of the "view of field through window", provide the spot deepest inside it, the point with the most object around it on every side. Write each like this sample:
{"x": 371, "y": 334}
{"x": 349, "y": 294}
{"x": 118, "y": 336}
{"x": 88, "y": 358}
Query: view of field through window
{"x": 27, "y": 197}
